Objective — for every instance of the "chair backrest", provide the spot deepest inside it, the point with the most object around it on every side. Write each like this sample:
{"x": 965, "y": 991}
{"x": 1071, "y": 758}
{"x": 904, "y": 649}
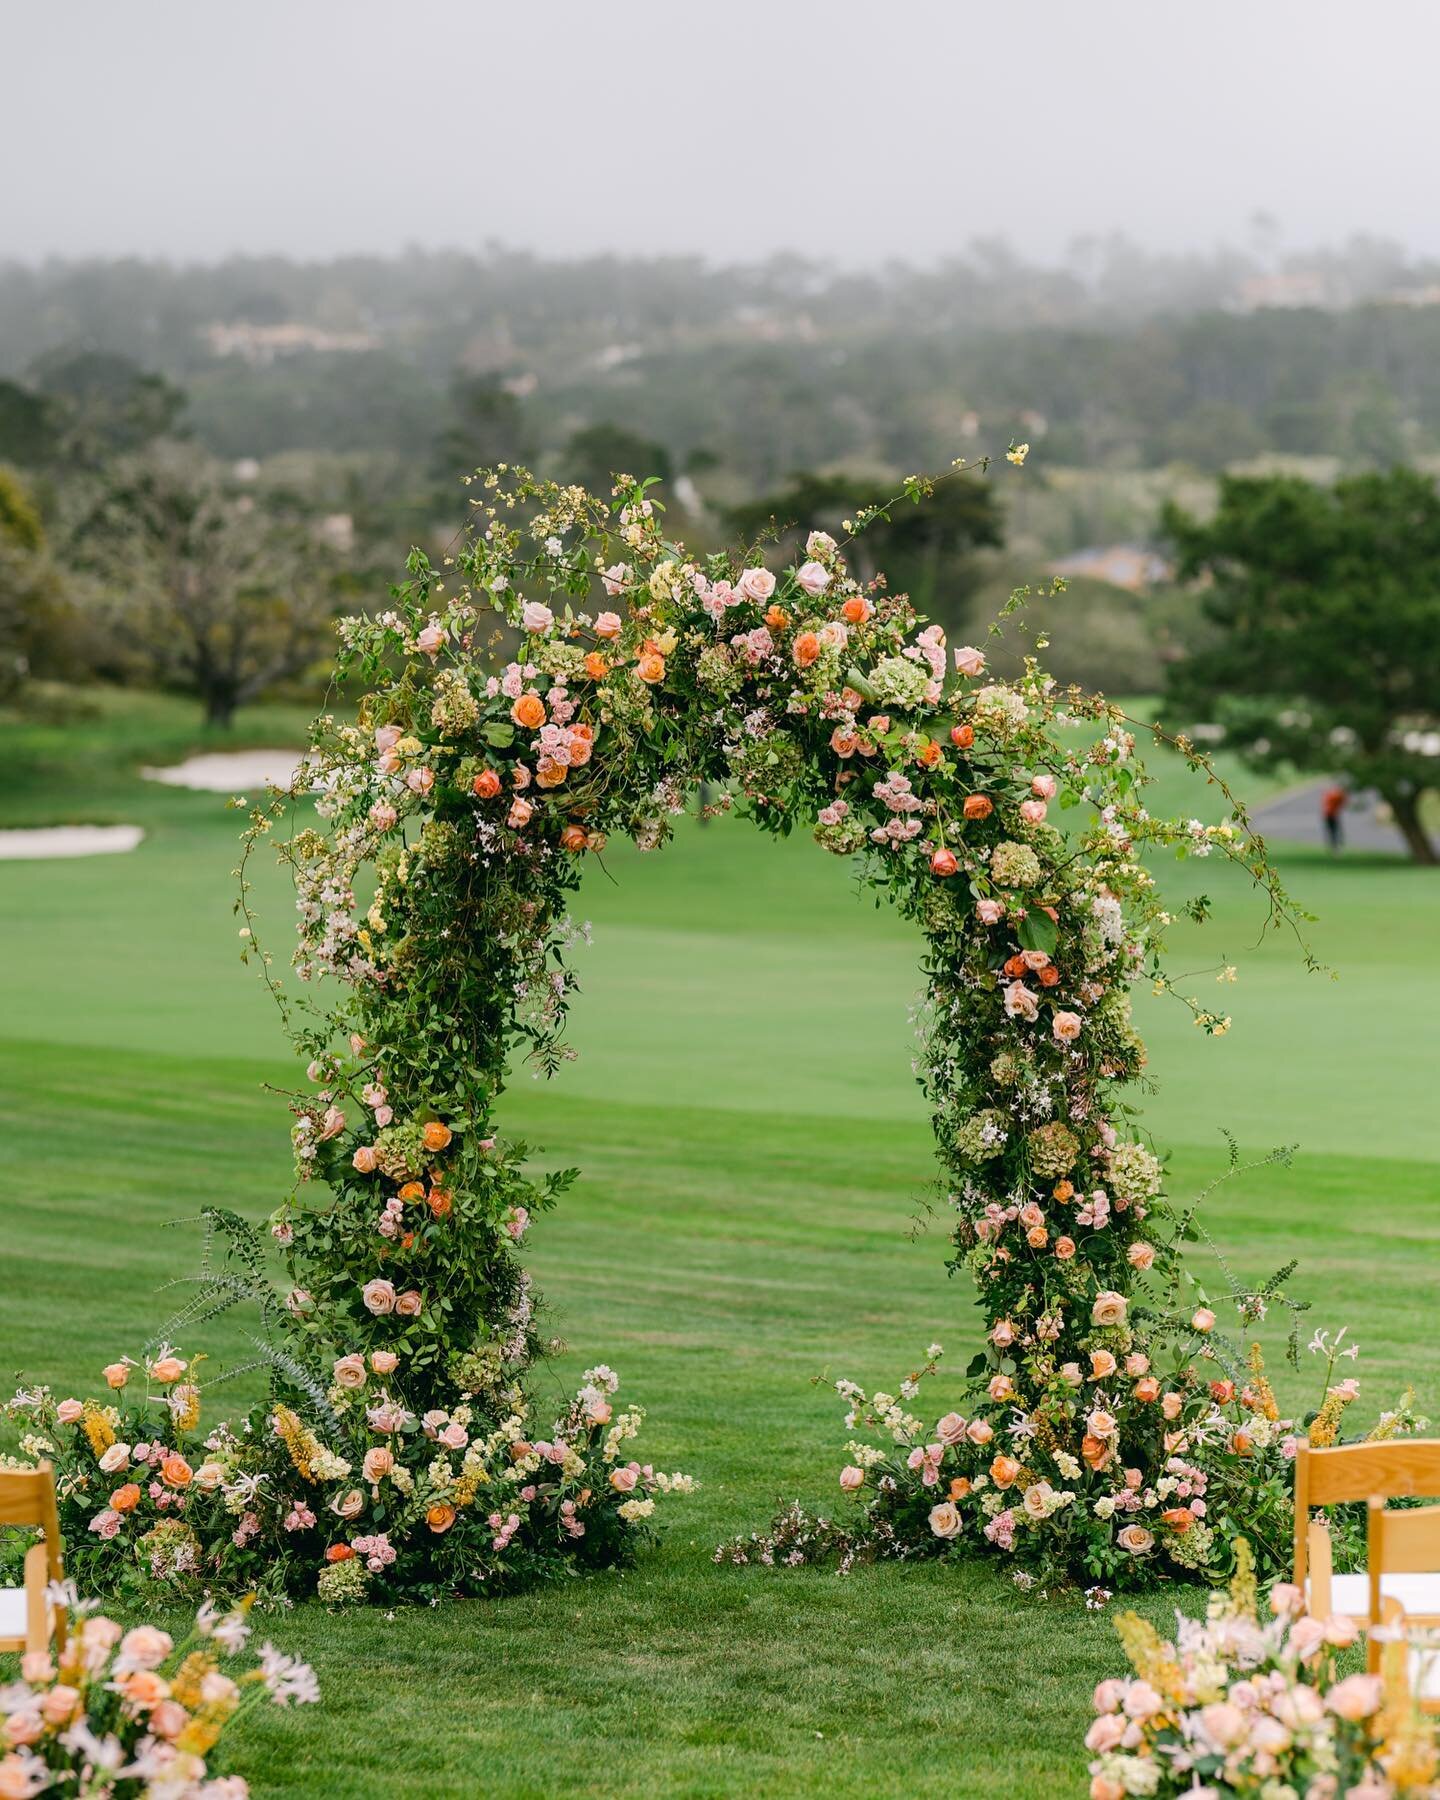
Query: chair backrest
{"x": 27, "y": 1497}
{"x": 1404, "y": 1541}
{"x": 1392, "y": 1468}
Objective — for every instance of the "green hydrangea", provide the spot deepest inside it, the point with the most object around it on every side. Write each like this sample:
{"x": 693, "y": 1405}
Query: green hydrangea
{"x": 900, "y": 682}
{"x": 983, "y": 1135}
{"x": 715, "y": 669}
{"x": 1005, "y": 1069}
{"x": 1135, "y": 1174}
{"x": 1054, "y": 1150}
{"x": 343, "y": 1583}
{"x": 1014, "y": 865}
{"x": 454, "y": 709}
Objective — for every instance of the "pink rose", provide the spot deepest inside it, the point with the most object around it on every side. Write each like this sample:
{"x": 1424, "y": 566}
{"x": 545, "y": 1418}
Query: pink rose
{"x": 945, "y": 1519}
{"x": 969, "y": 660}
{"x": 349, "y": 1371}
{"x": 146, "y": 1647}
{"x": 756, "y": 584}
{"x": 387, "y": 737}
{"x": 951, "y": 1429}
{"x": 1356, "y": 1697}
{"x": 623, "y": 1480}
{"x": 383, "y": 815}
{"x": 814, "y": 577}
{"x": 420, "y": 781}
{"x": 852, "y": 1478}
{"x": 378, "y": 1463}
{"x": 454, "y": 1436}
{"x": 608, "y": 624}
{"x": 1203, "y": 1319}
{"x": 332, "y": 1124}
{"x": 1044, "y": 787}
{"x": 1141, "y": 1256}
{"x": 979, "y": 1431}
{"x": 379, "y": 1296}
{"x": 384, "y": 1362}
{"x": 1033, "y": 811}
{"x": 1105, "y": 1733}
{"x": 989, "y": 912}
{"x": 431, "y": 640}
{"x": 409, "y": 1303}
{"x": 68, "y": 1412}
{"x": 519, "y": 815}
{"x": 1002, "y": 1333}
{"x": 1066, "y": 1027}
{"x": 1137, "y": 1540}
{"x": 106, "y": 1524}
{"x": 536, "y": 616}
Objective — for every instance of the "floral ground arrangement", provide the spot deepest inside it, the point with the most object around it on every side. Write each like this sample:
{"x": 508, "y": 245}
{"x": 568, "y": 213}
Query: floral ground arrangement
{"x": 1251, "y": 1700}
{"x": 571, "y": 674}
{"x": 119, "y": 1714}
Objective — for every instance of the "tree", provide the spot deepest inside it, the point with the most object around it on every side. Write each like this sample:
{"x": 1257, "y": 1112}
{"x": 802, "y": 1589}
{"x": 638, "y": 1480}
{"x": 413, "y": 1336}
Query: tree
{"x": 925, "y": 549}
{"x": 1320, "y": 642}
{"x": 596, "y": 454}
{"x": 106, "y": 404}
{"x": 210, "y": 590}
{"x": 30, "y": 590}
{"x": 487, "y": 425}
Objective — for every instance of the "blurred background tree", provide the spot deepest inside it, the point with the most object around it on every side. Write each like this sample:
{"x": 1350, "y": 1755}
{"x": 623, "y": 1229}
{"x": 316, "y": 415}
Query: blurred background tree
{"x": 1319, "y": 643}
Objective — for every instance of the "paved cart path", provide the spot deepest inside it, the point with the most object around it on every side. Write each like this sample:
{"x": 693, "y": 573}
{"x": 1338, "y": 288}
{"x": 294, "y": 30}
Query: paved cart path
{"x": 1295, "y": 817}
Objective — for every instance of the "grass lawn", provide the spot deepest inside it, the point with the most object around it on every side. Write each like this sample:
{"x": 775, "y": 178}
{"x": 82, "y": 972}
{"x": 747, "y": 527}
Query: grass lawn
{"x": 754, "y": 1153}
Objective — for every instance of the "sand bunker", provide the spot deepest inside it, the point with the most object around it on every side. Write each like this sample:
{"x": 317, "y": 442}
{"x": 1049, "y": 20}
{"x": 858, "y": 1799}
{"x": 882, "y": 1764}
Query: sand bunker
{"x": 68, "y": 840}
{"x": 231, "y": 771}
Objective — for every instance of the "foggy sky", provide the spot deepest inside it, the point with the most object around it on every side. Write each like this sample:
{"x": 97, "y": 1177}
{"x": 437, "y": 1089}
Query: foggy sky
{"x": 194, "y": 128}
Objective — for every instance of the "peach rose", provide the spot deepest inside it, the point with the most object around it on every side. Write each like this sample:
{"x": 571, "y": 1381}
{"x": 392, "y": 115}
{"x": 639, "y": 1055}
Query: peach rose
{"x": 167, "y": 1369}
{"x": 945, "y": 1519}
{"x": 623, "y": 1480}
{"x": 597, "y": 667}
{"x": 1102, "y": 1365}
{"x": 116, "y": 1374}
{"x": 440, "y": 1517}
{"x": 1172, "y": 1405}
{"x": 519, "y": 815}
{"x": 549, "y": 773}
{"x": 378, "y": 1463}
{"x": 951, "y": 1429}
{"x": 338, "y": 1553}
{"x": 756, "y": 585}
{"x": 962, "y": 736}
{"x": 384, "y": 1362}
{"x": 650, "y": 667}
{"x": 70, "y": 1412}
{"x": 115, "y": 1458}
{"x": 1137, "y": 1363}
{"x": 1066, "y": 1027}
{"x": 806, "y": 649}
{"x": 979, "y": 1431}
{"x": 349, "y": 1371}
{"x": 436, "y": 1135}
{"x": 1141, "y": 1255}
{"x": 852, "y": 1478}
{"x": 1203, "y": 1319}
{"x": 1109, "y": 1308}
{"x": 125, "y": 1499}
{"x": 1135, "y": 1538}
{"x": 379, "y": 1296}
{"x": 978, "y": 806}
{"x": 1147, "y": 1389}
{"x": 175, "y": 1471}
{"x": 348, "y": 1505}
{"x": 856, "y": 610}
{"x": 943, "y": 863}
{"x": 365, "y": 1159}
{"x": 969, "y": 660}
{"x": 409, "y": 1304}
{"x": 146, "y": 1647}
{"x": 1004, "y": 1471}
{"x": 1356, "y": 1697}
{"x": 145, "y": 1688}
{"x": 486, "y": 784}
{"x": 1064, "y": 1248}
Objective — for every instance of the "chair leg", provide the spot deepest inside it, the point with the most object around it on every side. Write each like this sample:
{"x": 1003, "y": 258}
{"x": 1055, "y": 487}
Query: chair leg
{"x": 37, "y": 1611}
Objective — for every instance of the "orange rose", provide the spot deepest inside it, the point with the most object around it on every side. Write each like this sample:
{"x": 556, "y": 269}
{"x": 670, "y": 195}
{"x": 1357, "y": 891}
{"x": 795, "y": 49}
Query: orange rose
{"x": 1064, "y": 1190}
{"x": 1147, "y": 1389}
{"x": 529, "y": 712}
{"x": 574, "y": 838}
{"x": 929, "y": 754}
{"x": 1095, "y": 1451}
{"x": 486, "y": 784}
{"x": 978, "y": 806}
{"x": 168, "y": 1369}
{"x": 1037, "y": 1237}
{"x": 579, "y": 753}
{"x": 584, "y": 733}
{"x": 777, "y": 618}
{"x": 596, "y": 666}
{"x": 806, "y": 649}
{"x": 549, "y": 773}
{"x": 145, "y": 1688}
{"x": 1017, "y": 968}
{"x": 440, "y": 1517}
{"x": 436, "y": 1135}
{"x": 1241, "y": 1444}
{"x": 440, "y": 1202}
{"x": 338, "y": 1553}
{"x": 175, "y": 1471}
{"x": 1004, "y": 1471}
{"x": 519, "y": 1450}
{"x": 412, "y": 1190}
{"x": 962, "y": 736}
{"x": 856, "y": 611}
{"x": 651, "y": 667}
{"x": 126, "y": 1499}
{"x": 1179, "y": 1518}
{"x": 959, "y": 1487}
{"x": 1064, "y": 1248}
{"x": 1049, "y": 975}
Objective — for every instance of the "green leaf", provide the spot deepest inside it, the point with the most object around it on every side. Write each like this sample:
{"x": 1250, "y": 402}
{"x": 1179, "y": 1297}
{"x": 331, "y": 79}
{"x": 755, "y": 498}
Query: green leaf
{"x": 1038, "y": 932}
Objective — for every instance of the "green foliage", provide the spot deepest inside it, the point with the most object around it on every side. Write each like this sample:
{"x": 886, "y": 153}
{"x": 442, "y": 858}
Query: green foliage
{"x": 1322, "y": 642}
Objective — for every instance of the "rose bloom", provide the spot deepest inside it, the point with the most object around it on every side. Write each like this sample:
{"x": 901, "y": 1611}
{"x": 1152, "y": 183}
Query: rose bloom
{"x": 979, "y": 1431}
{"x": 349, "y": 1371}
{"x": 1002, "y": 1333}
{"x": 1147, "y": 1388}
{"x": 813, "y": 577}
{"x": 650, "y": 667}
{"x": 1066, "y": 1027}
{"x": 1172, "y": 1405}
{"x": 1044, "y": 787}
{"x": 1222, "y": 1392}
{"x": 365, "y": 1159}
{"x": 806, "y": 649}
{"x": 943, "y": 863}
{"x": 338, "y": 1553}
{"x": 1064, "y": 1248}
{"x": 409, "y": 1303}
{"x": 175, "y": 1471}
{"x": 528, "y": 712}
{"x": 116, "y": 1374}
{"x": 989, "y": 912}
{"x": 1004, "y": 1470}
{"x": 1109, "y": 1308}
{"x": 384, "y": 1362}
{"x": 969, "y": 660}
{"x": 1102, "y": 1365}
{"x": 349, "y": 1505}
{"x": 1203, "y": 1319}
{"x": 519, "y": 814}
{"x": 856, "y": 610}
{"x": 1001, "y": 1387}
{"x": 486, "y": 784}
{"x": 209, "y": 1475}
{"x": 168, "y": 1369}
{"x": 756, "y": 585}
{"x": 945, "y": 1519}
{"x": 623, "y": 1480}
{"x": 1135, "y": 1538}
{"x": 1140, "y": 1255}
{"x": 115, "y": 1458}
{"x": 146, "y": 1647}
{"x": 378, "y": 1463}
{"x": 1356, "y": 1697}
{"x": 126, "y": 1499}
{"x": 69, "y": 1412}
{"x": 978, "y": 806}
{"x": 852, "y": 1478}
{"x": 1033, "y": 811}
{"x": 430, "y": 640}
{"x": 1179, "y": 1518}
{"x": 436, "y": 1135}
{"x": 145, "y": 1688}
{"x": 951, "y": 1429}
{"x": 379, "y": 1296}
{"x": 1070, "y": 1372}
{"x": 536, "y": 616}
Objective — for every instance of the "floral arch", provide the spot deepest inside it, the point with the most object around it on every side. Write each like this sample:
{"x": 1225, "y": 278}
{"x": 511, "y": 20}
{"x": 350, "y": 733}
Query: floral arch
{"x": 570, "y": 674}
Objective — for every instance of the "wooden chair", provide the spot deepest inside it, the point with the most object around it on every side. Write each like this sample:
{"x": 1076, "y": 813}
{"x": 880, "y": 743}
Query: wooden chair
{"x": 27, "y": 1619}
{"x": 1395, "y": 1468}
{"x": 1402, "y": 1543}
